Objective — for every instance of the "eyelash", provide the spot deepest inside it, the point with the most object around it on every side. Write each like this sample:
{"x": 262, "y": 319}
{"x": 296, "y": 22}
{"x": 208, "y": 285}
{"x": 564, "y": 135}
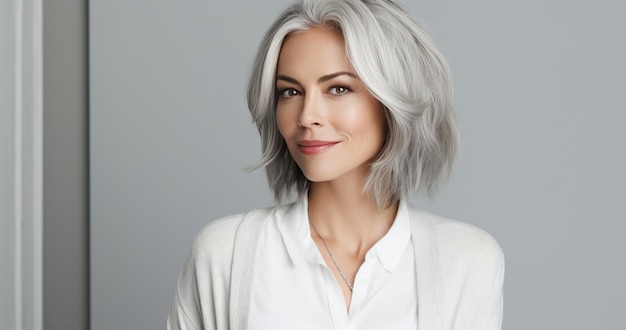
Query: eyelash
{"x": 282, "y": 92}
{"x": 345, "y": 88}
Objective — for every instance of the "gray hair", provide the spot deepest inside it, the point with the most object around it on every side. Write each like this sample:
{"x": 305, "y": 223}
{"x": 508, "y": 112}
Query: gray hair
{"x": 401, "y": 67}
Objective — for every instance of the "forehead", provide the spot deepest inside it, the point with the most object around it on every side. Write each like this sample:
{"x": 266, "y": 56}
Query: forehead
{"x": 317, "y": 51}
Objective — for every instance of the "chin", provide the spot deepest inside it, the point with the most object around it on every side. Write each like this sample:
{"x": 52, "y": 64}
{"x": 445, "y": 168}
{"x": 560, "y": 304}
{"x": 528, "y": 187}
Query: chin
{"x": 330, "y": 171}
{"x": 319, "y": 177}
{"x": 320, "y": 173}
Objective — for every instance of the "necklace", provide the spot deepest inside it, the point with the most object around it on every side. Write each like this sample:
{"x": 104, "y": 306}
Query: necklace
{"x": 331, "y": 256}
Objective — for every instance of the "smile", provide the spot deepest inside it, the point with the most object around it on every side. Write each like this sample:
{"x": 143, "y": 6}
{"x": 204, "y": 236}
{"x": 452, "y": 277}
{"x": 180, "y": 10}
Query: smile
{"x": 313, "y": 147}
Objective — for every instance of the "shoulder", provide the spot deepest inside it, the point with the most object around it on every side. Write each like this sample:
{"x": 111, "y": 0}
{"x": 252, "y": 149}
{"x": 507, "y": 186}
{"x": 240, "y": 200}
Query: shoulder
{"x": 463, "y": 267}
{"x": 203, "y": 284}
{"x": 218, "y": 236}
{"x": 459, "y": 241}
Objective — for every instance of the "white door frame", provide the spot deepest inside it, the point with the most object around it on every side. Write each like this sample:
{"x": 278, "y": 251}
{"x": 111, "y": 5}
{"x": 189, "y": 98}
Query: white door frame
{"x": 22, "y": 159}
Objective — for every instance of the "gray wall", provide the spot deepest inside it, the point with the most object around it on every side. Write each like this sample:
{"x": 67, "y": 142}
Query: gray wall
{"x": 539, "y": 97}
{"x": 65, "y": 269}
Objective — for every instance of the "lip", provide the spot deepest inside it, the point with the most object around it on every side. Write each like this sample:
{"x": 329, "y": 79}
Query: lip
{"x": 313, "y": 147}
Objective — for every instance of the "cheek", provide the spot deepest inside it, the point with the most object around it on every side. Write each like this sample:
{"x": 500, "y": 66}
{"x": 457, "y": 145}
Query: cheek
{"x": 283, "y": 121}
{"x": 374, "y": 128}
{"x": 366, "y": 118}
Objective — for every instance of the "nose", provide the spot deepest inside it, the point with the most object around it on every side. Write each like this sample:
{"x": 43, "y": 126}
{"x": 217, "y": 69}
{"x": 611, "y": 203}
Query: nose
{"x": 312, "y": 113}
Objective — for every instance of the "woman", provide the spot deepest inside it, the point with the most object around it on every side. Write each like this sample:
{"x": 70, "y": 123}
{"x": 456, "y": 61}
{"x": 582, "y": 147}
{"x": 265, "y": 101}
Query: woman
{"x": 353, "y": 104}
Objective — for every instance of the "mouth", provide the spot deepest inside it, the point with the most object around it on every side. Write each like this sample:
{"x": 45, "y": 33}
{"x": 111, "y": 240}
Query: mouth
{"x": 313, "y": 147}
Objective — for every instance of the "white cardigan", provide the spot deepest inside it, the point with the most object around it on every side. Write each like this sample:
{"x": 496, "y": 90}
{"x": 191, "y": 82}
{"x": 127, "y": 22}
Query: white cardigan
{"x": 460, "y": 272}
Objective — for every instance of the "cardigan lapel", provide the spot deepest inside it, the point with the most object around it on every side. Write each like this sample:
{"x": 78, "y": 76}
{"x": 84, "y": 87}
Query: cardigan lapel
{"x": 424, "y": 239}
{"x": 242, "y": 267}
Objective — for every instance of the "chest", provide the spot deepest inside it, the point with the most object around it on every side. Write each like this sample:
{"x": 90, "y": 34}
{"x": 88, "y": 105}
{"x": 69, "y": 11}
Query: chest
{"x": 306, "y": 294}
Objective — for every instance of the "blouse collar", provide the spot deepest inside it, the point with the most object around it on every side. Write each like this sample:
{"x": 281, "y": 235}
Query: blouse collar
{"x": 293, "y": 224}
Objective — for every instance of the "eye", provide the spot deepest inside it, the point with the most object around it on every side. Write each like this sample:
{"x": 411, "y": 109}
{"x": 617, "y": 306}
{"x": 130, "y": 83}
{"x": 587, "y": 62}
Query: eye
{"x": 288, "y": 92}
{"x": 338, "y": 90}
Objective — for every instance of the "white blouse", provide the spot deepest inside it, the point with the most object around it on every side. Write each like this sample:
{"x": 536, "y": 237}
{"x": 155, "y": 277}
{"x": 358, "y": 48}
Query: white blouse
{"x": 293, "y": 288}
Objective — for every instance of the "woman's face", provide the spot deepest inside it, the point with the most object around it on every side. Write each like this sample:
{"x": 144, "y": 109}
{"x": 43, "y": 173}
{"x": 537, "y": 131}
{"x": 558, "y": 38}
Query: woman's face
{"x": 332, "y": 125}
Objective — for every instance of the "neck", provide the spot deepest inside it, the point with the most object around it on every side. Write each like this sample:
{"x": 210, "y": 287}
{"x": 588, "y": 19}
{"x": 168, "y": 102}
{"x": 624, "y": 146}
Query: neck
{"x": 341, "y": 212}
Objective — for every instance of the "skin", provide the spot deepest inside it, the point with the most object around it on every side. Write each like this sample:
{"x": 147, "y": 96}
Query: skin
{"x": 322, "y": 99}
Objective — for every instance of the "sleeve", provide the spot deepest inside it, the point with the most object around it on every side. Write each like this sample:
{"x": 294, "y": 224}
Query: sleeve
{"x": 493, "y": 298}
{"x": 201, "y": 300}
{"x": 185, "y": 312}
{"x": 473, "y": 272}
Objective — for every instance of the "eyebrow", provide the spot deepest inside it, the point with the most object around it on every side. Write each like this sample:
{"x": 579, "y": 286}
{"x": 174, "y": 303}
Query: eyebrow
{"x": 321, "y": 80}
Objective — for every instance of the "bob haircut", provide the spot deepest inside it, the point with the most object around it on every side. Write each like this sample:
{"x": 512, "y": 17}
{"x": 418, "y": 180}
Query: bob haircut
{"x": 401, "y": 67}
